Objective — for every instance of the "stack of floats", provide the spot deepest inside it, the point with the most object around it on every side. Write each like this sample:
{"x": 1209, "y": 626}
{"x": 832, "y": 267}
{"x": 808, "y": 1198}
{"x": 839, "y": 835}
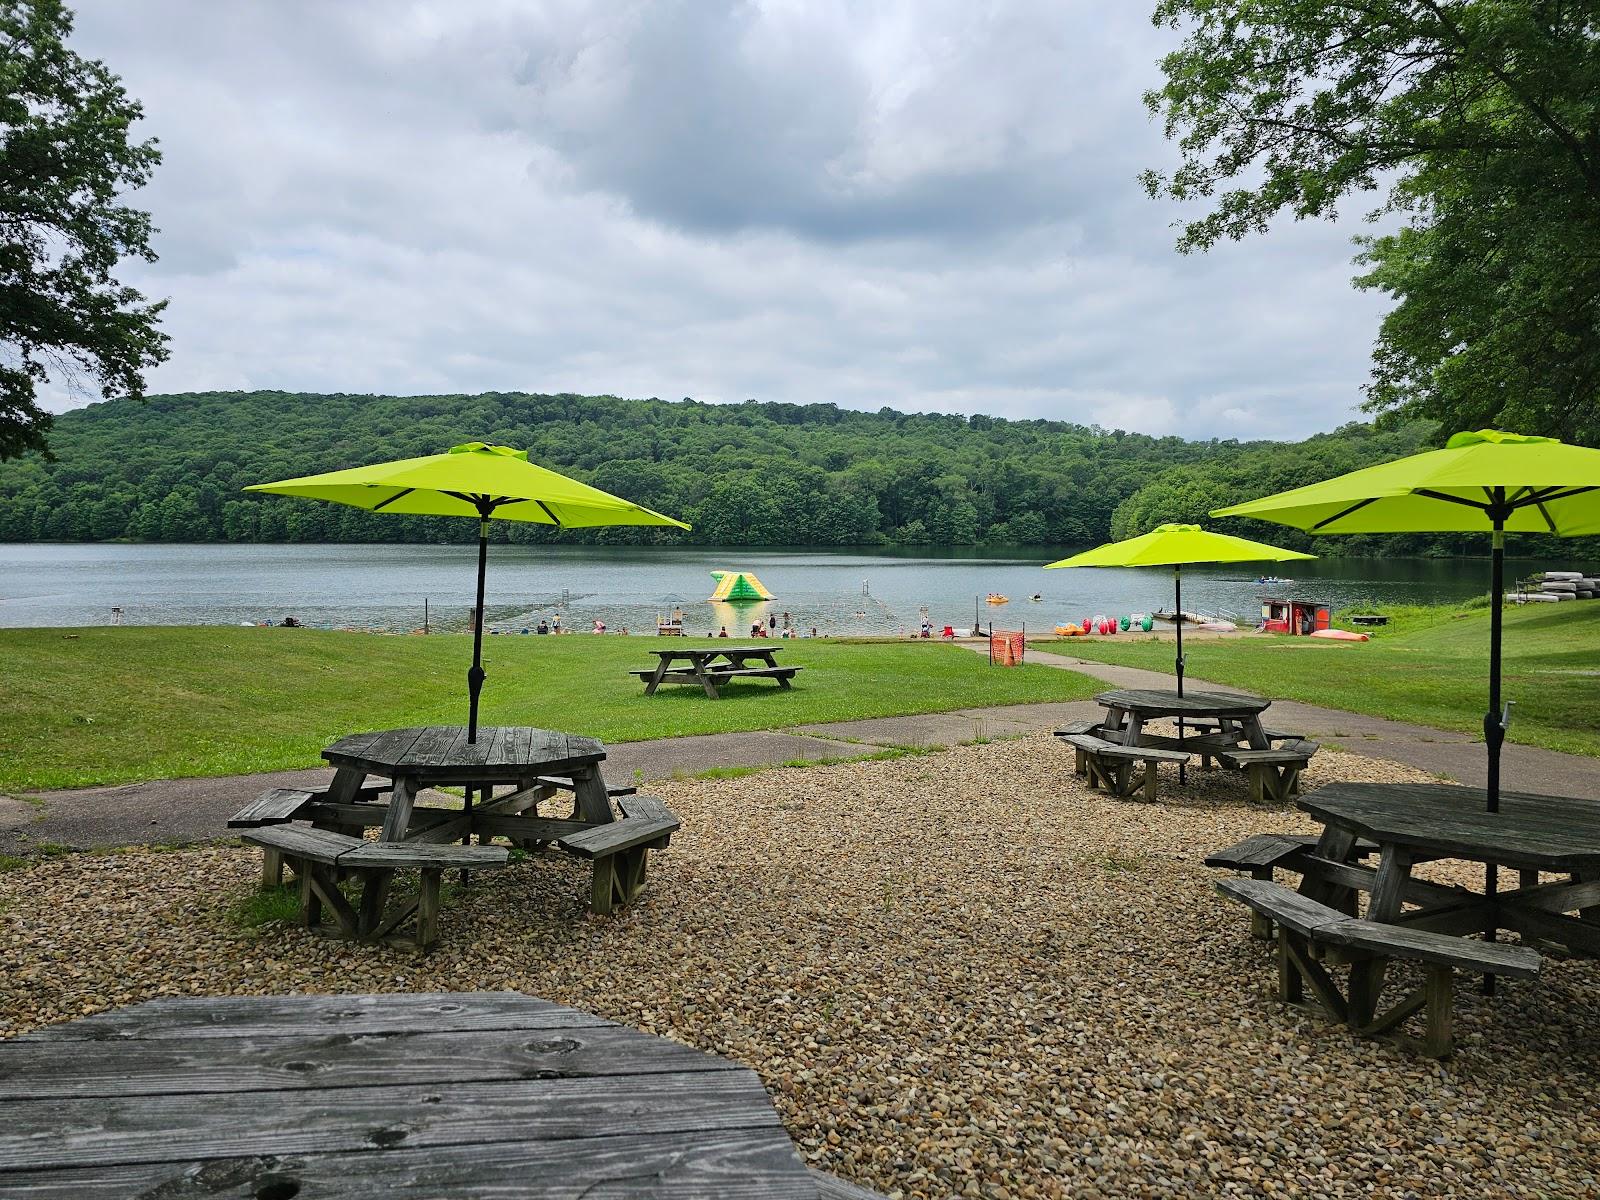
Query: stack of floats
{"x": 1552, "y": 587}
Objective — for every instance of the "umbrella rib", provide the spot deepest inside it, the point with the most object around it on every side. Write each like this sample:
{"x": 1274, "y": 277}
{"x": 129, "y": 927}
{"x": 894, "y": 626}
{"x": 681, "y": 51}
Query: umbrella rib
{"x": 398, "y": 495}
{"x": 1448, "y": 498}
{"x": 553, "y": 518}
{"x": 1339, "y": 516}
{"x": 1545, "y": 513}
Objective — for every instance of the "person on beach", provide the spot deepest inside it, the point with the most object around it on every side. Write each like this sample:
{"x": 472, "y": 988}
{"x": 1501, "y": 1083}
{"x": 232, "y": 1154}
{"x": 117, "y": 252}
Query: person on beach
{"x": 555, "y": 623}
{"x": 599, "y": 625}
{"x": 724, "y": 632}
{"x": 544, "y": 626}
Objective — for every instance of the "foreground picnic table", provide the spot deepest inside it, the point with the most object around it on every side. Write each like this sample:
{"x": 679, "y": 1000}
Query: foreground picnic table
{"x": 711, "y": 667}
{"x": 1415, "y": 920}
{"x": 427, "y": 1095}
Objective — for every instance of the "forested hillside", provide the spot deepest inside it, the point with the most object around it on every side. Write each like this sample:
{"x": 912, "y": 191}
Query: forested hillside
{"x": 748, "y": 474}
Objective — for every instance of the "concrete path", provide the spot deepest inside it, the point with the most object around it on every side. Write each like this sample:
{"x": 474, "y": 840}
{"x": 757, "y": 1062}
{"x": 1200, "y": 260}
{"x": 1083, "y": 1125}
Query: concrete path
{"x": 178, "y": 811}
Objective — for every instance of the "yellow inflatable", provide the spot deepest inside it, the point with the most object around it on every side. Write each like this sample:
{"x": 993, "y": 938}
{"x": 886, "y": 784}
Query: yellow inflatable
{"x": 1070, "y": 631}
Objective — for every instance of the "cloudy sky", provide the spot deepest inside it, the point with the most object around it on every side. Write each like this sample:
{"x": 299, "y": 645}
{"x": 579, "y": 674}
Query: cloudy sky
{"x": 912, "y": 203}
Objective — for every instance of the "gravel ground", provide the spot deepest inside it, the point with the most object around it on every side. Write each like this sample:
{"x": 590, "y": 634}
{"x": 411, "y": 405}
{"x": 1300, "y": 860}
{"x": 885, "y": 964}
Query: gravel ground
{"x": 959, "y": 974}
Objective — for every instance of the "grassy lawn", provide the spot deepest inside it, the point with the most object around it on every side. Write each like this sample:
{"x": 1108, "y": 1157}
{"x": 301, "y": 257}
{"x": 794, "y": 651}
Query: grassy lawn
{"x": 101, "y": 706}
{"x": 1429, "y": 666}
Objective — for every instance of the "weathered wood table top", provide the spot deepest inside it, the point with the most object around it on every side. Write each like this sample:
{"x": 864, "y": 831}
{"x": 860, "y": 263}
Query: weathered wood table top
{"x": 1545, "y": 833}
{"x": 1161, "y": 703}
{"x": 423, "y": 1096}
{"x": 707, "y": 653}
{"x": 435, "y": 754}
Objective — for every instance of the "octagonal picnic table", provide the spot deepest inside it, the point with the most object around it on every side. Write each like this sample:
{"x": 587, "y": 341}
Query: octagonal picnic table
{"x": 1238, "y": 716}
{"x": 367, "y": 1096}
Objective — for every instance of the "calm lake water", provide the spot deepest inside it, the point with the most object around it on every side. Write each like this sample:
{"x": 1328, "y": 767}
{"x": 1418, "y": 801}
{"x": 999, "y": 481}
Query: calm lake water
{"x": 839, "y": 592}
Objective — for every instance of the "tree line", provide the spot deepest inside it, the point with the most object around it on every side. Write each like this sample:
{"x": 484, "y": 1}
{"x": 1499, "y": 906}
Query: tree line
{"x": 172, "y": 470}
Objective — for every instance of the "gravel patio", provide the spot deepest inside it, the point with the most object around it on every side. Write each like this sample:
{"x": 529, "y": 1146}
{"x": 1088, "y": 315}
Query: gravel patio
{"x": 959, "y": 973}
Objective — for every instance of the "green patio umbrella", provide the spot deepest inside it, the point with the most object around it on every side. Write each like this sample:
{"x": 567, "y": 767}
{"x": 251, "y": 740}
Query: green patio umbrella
{"x": 472, "y": 480}
{"x": 1487, "y": 482}
{"x": 1173, "y": 546}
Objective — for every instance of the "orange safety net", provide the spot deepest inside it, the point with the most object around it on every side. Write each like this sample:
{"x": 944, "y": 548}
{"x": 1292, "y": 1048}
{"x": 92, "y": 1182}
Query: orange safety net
{"x": 1005, "y": 648}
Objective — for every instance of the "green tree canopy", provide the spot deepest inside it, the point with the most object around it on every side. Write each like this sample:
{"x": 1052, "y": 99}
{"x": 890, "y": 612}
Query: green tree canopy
{"x": 65, "y": 157}
{"x": 1478, "y": 121}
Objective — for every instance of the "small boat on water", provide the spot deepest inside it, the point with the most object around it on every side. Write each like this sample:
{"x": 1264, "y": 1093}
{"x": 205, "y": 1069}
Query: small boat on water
{"x": 1036, "y": 597}
{"x": 1272, "y": 581}
{"x": 997, "y": 598}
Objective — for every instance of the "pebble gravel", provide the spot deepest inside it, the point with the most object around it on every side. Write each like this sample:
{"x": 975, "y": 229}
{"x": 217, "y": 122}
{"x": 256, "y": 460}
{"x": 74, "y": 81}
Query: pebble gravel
{"x": 959, "y": 974}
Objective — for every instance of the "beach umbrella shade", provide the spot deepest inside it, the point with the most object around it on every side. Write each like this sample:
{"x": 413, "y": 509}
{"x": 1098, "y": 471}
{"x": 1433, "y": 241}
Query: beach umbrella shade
{"x": 473, "y": 480}
{"x": 1482, "y": 482}
{"x": 1173, "y": 546}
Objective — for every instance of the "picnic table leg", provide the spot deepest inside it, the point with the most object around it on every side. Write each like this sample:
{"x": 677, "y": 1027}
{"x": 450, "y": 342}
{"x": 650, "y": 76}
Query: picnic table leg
{"x": 1335, "y": 845}
{"x": 374, "y": 895}
{"x": 1134, "y": 730}
{"x": 345, "y": 788}
{"x": 654, "y": 681}
{"x": 699, "y": 668}
{"x": 1254, "y": 734}
{"x": 1150, "y": 781}
{"x": 590, "y": 801}
{"x": 1388, "y": 889}
{"x": 398, "y": 819}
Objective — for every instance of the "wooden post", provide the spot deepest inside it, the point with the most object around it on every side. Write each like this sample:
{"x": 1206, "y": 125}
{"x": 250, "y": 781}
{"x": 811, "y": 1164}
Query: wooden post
{"x": 1439, "y": 1038}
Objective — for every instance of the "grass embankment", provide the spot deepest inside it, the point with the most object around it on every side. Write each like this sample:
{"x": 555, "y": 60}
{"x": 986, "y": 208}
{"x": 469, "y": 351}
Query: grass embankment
{"x": 1429, "y": 666}
{"x": 100, "y": 706}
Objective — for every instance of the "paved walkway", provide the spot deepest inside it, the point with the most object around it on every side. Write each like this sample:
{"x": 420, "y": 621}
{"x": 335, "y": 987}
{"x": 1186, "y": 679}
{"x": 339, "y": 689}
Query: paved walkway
{"x": 176, "y": 811}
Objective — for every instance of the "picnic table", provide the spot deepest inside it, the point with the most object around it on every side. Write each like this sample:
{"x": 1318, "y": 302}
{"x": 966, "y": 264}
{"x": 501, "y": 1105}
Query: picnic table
{"x": 1235, "y": 718}
{"x": 367, "y": 1096}
{"x": 1417, "y": 920}
{"x": 532, "y": 766}
{"x": 711, "y": 667}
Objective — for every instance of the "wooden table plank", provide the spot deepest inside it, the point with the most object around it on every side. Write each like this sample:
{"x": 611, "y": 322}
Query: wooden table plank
{"x": 71, "y": 1133}
{"x": 737, "y": 1164}
{"x": 319, "y": 1059}
{"x": 294, "y": 1016}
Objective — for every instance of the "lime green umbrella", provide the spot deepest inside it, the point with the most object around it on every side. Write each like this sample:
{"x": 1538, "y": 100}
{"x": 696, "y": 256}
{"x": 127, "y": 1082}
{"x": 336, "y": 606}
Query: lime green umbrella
{"x": 472, "y": 480}
{"x": 1487, "y": 482}
{"x": 1172, "y": 546}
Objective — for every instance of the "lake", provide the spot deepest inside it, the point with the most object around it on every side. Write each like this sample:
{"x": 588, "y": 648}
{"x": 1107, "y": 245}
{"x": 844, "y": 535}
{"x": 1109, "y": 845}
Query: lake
{"x": 840, "y": 592}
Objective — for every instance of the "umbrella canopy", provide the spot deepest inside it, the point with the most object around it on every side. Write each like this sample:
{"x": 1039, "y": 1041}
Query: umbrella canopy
{"x": 1527, "y": 484}
{"x": 1172, "y": 546}
{"x": 472, "y": 480}
{"x": 1485, "y": 481}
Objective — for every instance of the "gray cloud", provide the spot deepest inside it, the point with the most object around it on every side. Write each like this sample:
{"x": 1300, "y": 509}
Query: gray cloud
{"x": 922, "y": 204}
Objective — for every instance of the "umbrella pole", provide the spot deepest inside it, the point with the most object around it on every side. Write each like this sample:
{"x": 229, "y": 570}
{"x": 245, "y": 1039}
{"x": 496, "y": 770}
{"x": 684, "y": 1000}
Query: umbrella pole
{"x": 475, "y": 675}
{"x": 1494, "y": 725}
{"x": 1177, "y": 604}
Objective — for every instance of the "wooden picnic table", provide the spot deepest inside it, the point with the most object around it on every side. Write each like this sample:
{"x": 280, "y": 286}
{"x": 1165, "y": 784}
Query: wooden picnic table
{"x": 1238, "y": 717}
{"x": 368, "y": 1096}
{"x": 1419, "y": 822}
{"x": 711, "y": 667}
{"x": 1431, "y": 924}
{"x": 531, "y": 766}
{"x": 436, "y": 756}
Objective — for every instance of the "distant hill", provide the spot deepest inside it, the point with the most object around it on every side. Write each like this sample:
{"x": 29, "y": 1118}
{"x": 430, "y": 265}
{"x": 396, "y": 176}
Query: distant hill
{"x": 171, "y": 470}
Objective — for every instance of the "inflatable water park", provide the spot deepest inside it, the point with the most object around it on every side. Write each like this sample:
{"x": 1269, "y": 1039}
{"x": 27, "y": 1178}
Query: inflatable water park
{"x": 735, "y": 587}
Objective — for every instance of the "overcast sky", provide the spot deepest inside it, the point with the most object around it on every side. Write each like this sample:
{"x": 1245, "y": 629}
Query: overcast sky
{"x": 920, "y": 204}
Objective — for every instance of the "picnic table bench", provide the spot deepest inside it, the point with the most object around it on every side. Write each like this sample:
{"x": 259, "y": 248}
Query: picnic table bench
{"x": 1111, "y": 766}
{"x": 369, "y": 1097}
{"x": 711, "y": 667}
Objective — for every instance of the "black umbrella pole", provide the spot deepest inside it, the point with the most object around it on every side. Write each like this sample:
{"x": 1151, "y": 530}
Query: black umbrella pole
{"x": 475, "y": 674}
{"x": 1177, "y": 603}
{"x": 1494, "y": 728}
